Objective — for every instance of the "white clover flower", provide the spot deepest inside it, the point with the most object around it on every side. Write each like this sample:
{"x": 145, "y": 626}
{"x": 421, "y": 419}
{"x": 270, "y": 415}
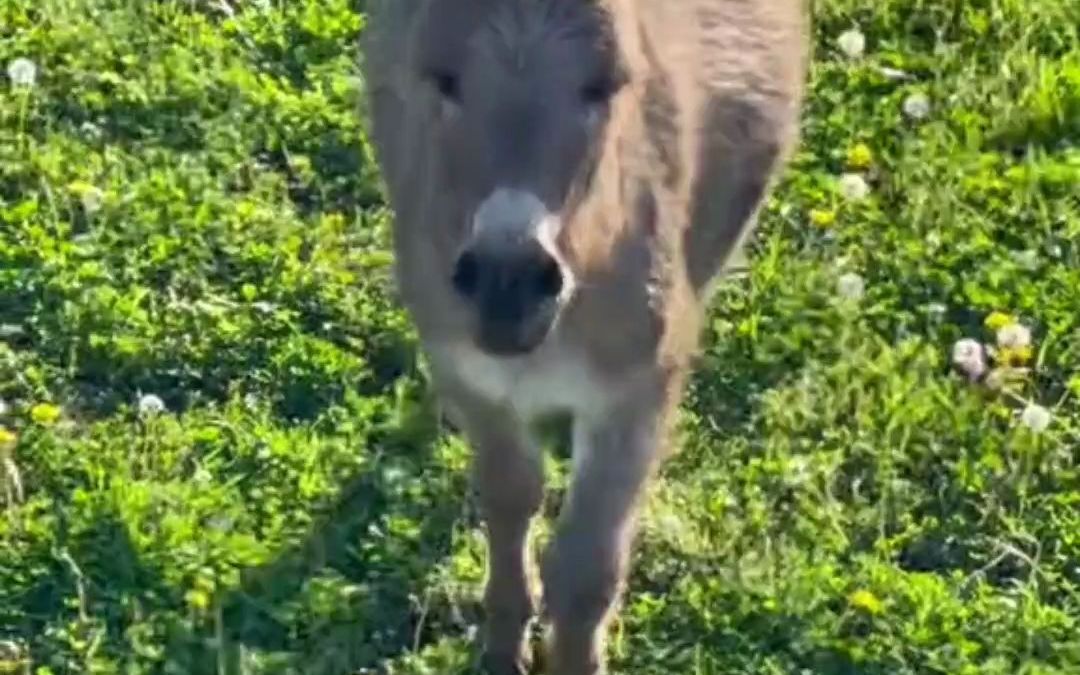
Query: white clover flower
{"x": 969, "y": 357}
{"x": 799, "y": 470}
{"x": 1036, "y": 418}
{"x": 22, "y": 72}
{"x": 851, "y": 286}
{"x": 852, "y": 42}
{"x": 393, "y": 474}
{"x": 221, "y": 523}
{"x": 1027, "y": 259}
{"x": 1014, "y": 336}
{"x": 151, "y": 404}
{"x": 90, "y": 130}
{"x": 917, "y": 106}
{"x": 893, "y": 73}
{"x": 472, "y": 633}
{"x": 83, "y": 239}
{"x": 853, "y": 187}
{"x": 92, "y": 199}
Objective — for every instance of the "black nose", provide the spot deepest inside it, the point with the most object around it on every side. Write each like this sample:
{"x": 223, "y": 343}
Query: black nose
{"x": 508, "y": 282}
{"x": 510, "y": 285}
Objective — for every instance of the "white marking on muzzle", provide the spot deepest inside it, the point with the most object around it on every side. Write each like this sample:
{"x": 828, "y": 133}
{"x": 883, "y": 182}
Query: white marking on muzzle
{"x": 509, "y": 212}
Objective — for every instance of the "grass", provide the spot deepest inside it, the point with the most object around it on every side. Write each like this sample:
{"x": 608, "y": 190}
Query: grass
{"x": 189, "y": 209}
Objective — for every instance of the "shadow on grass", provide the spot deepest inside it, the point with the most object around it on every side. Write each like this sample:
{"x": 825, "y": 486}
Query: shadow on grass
{"x": 723, "y": 627}
{"x": 86, "y": 591}
{"x": 349, "y": 596}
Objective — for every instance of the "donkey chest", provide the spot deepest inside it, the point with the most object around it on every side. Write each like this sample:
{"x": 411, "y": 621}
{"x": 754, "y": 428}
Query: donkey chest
{"x": 552, "y": 381}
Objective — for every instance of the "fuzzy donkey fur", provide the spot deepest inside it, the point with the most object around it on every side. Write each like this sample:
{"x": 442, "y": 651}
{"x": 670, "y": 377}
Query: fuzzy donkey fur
{"x": 568, "y": 178}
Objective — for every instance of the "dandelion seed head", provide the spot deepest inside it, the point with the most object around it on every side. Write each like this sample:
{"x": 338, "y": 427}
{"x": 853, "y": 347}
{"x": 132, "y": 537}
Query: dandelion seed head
{"x": 851, "y": 286}
{"x": 852, "y": 43}
{"x": 22, "y": 72}
{"x": 1014, "y": 336}
{"x": 917, "y": 106}
{"x": 853, "y": 187}
{"x": 1036, "y": 418}
{"x": 151, "y": 404}
{"x": 92, "y": 199}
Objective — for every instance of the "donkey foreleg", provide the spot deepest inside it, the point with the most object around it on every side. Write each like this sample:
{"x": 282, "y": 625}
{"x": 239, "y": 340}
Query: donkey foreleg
{"x": 508, "y": 476}
{"x": 585, "y": 567}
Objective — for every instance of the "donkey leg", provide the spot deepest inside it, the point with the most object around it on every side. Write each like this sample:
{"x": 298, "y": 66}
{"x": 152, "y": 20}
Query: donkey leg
{"x": 508, "y": 476}
{"x": 585, "y": 567}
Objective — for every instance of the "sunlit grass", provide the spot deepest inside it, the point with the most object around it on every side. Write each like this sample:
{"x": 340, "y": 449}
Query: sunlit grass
{"x": 218, "y": 453}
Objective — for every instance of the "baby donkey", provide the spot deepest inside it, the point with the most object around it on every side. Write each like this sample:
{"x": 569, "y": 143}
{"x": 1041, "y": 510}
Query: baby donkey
{"x": 568, "y": 178}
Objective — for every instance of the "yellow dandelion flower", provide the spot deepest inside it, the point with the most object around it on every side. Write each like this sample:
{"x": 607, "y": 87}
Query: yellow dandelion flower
{"x": 197, "y": 599}
{"x": 7, "y": 437}
{"x": 1015, "y": 356}
{"x": 45, "y": 414}
{"x": 823, "y": 218}
{"x": 860, "y": 156}
{"x": 998, "y": 320}
{"x": 865, "y": 600}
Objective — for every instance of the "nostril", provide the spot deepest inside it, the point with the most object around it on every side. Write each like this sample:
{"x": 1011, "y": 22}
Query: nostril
{"x": 548, "y": 281}
{"x": 466, "y": 274}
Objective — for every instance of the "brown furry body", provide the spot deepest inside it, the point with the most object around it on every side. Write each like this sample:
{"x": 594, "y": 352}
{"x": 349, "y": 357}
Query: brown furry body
{"x": 651, "y": 196}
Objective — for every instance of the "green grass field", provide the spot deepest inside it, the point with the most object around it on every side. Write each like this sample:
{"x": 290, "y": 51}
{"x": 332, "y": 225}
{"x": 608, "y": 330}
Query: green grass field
{"x": 189, "y": 210}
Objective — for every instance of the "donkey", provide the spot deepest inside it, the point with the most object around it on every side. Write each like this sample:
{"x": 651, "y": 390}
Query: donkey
{"x": 568, "y": 179}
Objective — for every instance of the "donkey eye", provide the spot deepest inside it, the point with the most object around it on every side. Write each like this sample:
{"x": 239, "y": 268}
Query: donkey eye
{"x": 603, "y": 88}
{"x": 447, "y": 85}
{"x": 597, "y": 92}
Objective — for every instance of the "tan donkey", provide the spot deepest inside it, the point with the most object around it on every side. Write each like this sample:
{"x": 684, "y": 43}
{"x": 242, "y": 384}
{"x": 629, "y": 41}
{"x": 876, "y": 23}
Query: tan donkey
{"x": 568, "y": 178}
